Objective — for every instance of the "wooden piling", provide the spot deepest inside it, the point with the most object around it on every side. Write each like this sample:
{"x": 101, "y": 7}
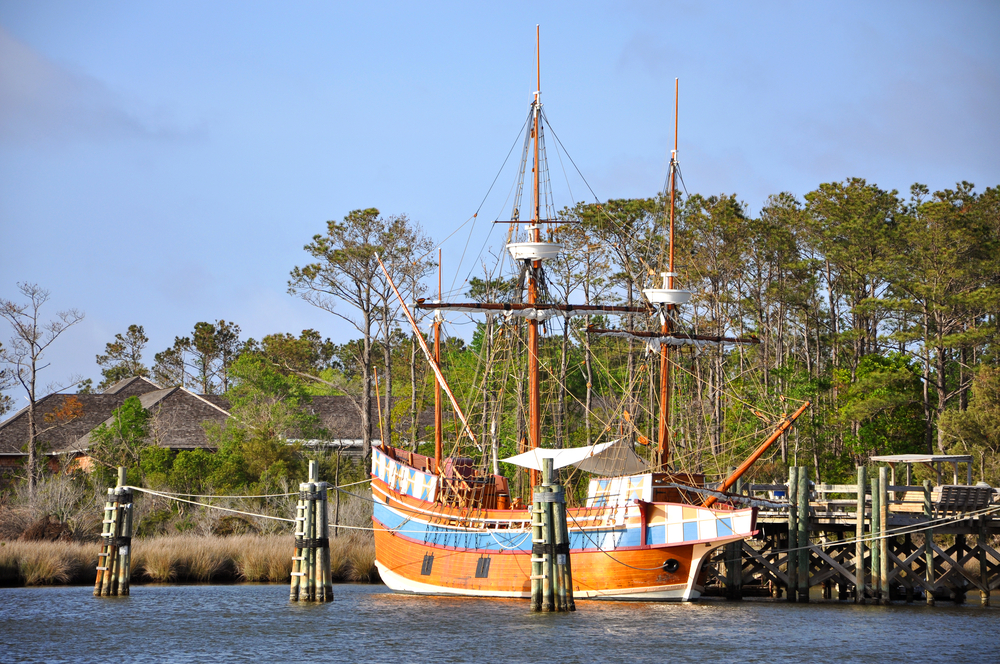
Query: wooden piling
{"x": 874, "y": 548}
{"x": 311, "y": 574}
{"x": 125, "y": 542}
{"x": 859, "y": 540}
{"x": 104, "y": 560}
{"x": 551, "y": 572}
{"x": 305, "y": 490}
{"x": 734, "y": 560}
{"x": 560, "y": 551}
{"x": 537, "y": 550}
{"x": 929, "y": 543}
{"x": 883, "y": 480}
{"x": 960, "y": 581}
{"x": 563, "y": 557}
{"x": 793, "y": 533}
{"x": 114, "y": 561}
{"x": 802, "y": 542}
{"x": 297, "y": 554}
{"x": 325, "y": 578}
{"x": 548, "y": 583}
{"x": 982, "y": 540}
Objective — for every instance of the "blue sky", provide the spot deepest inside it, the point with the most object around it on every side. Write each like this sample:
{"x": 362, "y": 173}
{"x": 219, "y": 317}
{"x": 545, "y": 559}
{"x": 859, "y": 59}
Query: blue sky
{"x": 163, "y": 163}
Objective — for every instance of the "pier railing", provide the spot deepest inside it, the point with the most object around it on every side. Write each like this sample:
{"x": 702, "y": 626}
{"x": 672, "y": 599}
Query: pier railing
{"x": 874, "y": 541}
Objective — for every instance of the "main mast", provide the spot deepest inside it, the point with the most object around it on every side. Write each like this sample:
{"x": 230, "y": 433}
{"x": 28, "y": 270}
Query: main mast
{"x": 534, "y": 395}
{"x": 665, "y": 325}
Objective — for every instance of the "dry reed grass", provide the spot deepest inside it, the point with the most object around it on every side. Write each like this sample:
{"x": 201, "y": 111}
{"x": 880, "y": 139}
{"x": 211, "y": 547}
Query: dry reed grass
{"x": 257, "y": 558}
{"x": 184, "y": 558}
{"x": 360, "y": 565}
{"x": 43, "y": 563}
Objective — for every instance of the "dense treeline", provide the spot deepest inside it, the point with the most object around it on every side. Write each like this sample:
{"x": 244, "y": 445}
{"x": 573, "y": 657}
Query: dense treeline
{"x": 879, "y": 309}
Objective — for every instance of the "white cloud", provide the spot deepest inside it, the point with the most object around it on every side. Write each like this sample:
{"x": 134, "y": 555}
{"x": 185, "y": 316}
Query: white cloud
{"x": 41, "y": 101}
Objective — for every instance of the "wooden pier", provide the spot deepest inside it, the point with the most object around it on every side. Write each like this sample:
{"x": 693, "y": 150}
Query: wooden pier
{"x": 873, "y": 541}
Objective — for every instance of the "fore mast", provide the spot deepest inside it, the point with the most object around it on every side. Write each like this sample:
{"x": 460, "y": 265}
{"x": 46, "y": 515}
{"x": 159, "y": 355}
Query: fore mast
{"x": 666, "y": 300}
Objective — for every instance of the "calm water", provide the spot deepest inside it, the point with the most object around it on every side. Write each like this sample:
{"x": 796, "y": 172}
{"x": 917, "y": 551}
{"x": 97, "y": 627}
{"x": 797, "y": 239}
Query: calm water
{"x": 256, "y": 623}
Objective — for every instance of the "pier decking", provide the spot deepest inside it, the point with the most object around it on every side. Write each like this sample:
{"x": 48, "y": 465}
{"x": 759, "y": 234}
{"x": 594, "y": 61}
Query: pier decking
{"x": 874, "y": 541}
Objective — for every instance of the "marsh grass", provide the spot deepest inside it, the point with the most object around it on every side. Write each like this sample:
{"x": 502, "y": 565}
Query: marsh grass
{"x": 184, "y": 558}
{"x": 45, "y": 563}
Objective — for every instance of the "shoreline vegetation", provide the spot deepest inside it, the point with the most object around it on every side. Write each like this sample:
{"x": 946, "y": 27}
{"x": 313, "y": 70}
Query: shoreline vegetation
{"x": 184, "y": 558}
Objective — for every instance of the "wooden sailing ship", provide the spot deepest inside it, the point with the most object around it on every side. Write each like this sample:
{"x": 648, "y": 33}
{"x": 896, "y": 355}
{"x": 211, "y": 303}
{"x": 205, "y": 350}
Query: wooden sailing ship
{"x": 444, "y": 525}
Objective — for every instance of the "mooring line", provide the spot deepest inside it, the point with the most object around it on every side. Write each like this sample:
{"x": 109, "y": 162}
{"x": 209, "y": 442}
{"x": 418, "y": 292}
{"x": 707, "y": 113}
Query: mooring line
{"x": 214, "y": 507}
{"x": 254, "y": 514}
{"x": 905, "y": 530}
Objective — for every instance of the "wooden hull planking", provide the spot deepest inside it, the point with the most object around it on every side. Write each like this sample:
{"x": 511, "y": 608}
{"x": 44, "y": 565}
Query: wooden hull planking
{"x": 624, "y": 552}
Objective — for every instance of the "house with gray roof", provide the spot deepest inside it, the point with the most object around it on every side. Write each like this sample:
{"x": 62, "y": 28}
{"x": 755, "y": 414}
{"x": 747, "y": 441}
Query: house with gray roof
{"x": 178, "y": 418}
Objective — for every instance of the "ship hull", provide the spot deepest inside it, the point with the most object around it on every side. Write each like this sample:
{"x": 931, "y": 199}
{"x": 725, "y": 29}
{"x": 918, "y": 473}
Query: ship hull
{"x": 625, "y": 550}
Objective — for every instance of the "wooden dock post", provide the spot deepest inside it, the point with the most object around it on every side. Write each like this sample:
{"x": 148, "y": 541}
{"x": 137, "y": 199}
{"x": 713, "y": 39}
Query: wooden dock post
{"x": 549, "y": 582}
{"x": 873, "y": 547}
{"x": 538, "y": 544}
{"x": 793, "y": 533}
{"x": 734, "y": 559}
{"x": 125, "y": 498}
{"x": 114, "y": 562}
{"x": 960, "y": 581}
{"x": 929, "y": 543}
{"x": 298, "y": 554}
{"x": 982, "y": 541}
{"x": 883, "y": 522}
{"x": 307, "y": 587}
{"x": 105, "y": 559}
{"x": 551, "y": 571}
{"x": 325, "y": 578}
{"x": 563, "y": 571}
{"x": 802, "y": 542}
{"x": 859, "y": 540}
{"x": 311, "y": 574}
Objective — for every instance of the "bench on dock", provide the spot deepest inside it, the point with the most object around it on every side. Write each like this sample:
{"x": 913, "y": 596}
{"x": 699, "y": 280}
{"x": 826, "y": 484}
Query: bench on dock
{"x": 946, "y": 500}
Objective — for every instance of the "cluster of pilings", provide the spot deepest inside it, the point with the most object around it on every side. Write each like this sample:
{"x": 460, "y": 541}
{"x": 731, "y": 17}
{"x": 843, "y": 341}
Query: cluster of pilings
{"x": 312, "y": 578}
{"x": 114, "y": 562}
{"x": 551, "y": 573}
{"x": 883, "y": 544}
